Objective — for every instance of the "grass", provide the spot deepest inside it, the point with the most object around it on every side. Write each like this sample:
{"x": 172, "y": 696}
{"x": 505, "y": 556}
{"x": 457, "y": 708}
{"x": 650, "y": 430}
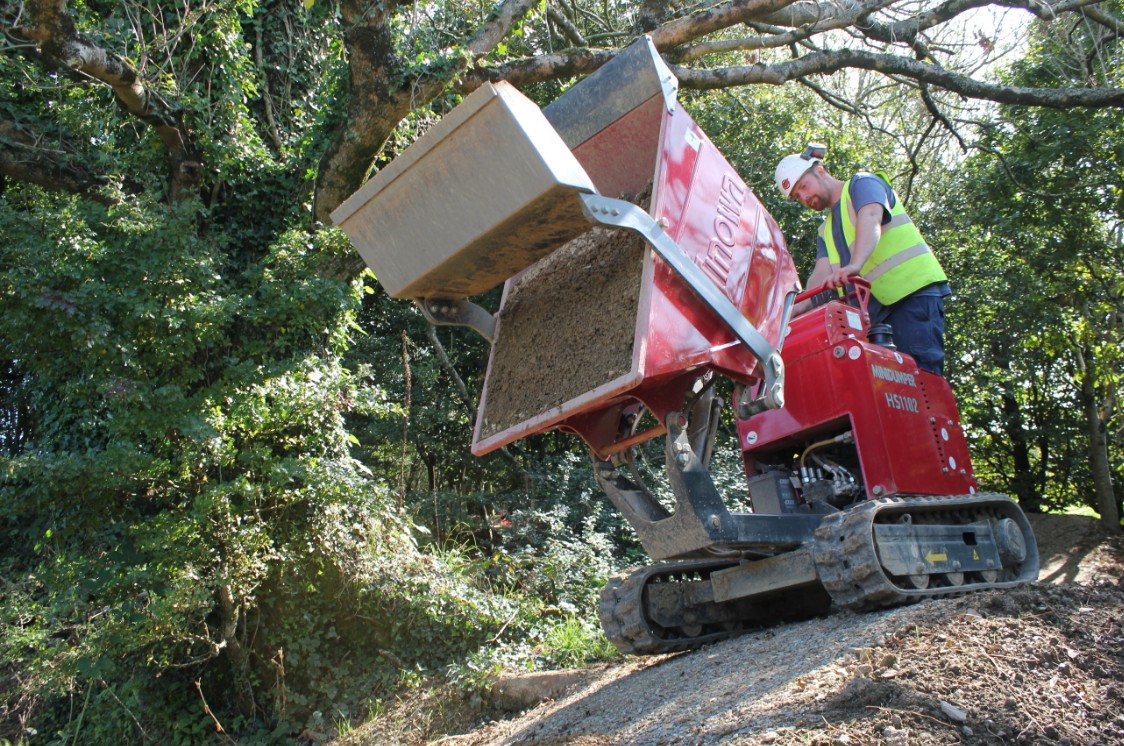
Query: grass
{"x": 1081, "y": 510}
{"x": 576, "y": 643}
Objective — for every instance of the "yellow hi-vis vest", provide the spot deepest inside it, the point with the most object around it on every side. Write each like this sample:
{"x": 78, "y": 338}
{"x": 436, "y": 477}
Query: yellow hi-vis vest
{"x": 901, "y": 263}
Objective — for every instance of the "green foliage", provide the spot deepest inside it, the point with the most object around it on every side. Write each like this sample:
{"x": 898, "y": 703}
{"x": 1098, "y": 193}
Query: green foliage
{"x": 189, "y": 509}
{"x": 1033, "y": 229}
{"x": 214, "y": 455}
{"x": 576, "y": 643}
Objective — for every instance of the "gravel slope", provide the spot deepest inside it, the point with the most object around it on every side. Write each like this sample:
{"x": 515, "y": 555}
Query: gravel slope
{"x": 1042, "y": 664}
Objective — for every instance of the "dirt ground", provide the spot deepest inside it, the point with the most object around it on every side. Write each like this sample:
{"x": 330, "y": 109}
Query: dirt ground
{"x": 1043, "y": 664}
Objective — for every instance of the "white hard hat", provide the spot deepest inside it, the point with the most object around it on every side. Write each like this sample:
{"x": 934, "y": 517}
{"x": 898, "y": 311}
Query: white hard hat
{"x": 790, "y": 169}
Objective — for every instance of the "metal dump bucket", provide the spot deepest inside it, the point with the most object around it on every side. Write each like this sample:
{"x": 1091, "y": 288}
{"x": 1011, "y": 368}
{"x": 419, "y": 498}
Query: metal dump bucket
{"x": 603, "y": 324}
{"x": 593, "y": 322}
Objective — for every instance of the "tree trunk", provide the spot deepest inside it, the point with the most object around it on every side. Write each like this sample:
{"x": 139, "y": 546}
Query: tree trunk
{"x": 1022, "y": 482}
{"x": 236, "y": 655}
{"x": 1097, "y": 429}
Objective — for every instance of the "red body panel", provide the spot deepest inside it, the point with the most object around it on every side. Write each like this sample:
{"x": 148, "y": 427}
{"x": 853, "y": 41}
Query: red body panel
{"x": 702, "y": 203}
{"x": 718, "y": 222}
{"x": 905, "y": 422}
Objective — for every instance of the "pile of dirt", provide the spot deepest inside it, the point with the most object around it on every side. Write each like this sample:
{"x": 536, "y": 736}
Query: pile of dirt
{"x": 568, "y": 326}
{"x": 1041, "y": 664}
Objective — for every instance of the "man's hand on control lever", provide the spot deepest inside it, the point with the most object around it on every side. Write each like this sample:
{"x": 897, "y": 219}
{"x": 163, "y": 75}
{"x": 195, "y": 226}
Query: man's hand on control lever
{"x": 841, "y": 276}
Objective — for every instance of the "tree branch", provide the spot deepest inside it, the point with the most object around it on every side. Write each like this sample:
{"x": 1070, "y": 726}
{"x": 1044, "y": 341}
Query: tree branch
{"x": 832, "y": 61}
{"x": 773, "y": 36}
{"x": 907, "y": 30}
{"x": 831, "y": 99}
{"x": 51, "y": 28}
{"x": 569, "y": 30}
{"x": 500, "y": 23}
{"x": 1107, "y": 20}
{"x": 939, "y": 116}
{"x": 22, "y": 157}
{"x": 686, "y": 29}
{"x": 538, "y": 69}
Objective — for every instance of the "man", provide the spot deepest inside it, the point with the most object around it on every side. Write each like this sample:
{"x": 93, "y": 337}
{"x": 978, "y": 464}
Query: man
{"x": 867, "y": 232}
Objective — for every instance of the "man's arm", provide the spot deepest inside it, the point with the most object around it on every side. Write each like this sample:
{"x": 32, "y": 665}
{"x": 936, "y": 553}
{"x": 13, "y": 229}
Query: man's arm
{"x": 868, "y": 231}
{"x": 819, "y": 276}
{"x": 820, "y": 273}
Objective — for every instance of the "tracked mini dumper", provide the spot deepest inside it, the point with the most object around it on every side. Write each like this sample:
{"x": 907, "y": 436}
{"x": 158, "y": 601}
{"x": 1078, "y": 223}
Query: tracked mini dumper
{"x": 639, "y": 268}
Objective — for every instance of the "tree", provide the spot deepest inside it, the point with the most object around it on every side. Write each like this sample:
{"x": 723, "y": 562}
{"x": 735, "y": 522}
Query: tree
{"x": 1040, "y": 212}
{"x": 392, "y": 69}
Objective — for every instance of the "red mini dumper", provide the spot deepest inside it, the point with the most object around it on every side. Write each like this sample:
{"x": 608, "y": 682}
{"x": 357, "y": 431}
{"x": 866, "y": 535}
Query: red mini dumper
{"x": 638, "y": 269}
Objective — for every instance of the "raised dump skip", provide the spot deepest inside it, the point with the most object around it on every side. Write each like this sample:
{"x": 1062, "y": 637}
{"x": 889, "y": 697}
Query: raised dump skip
{"x": 602, "y": 325}
{"x": 593, "y": 323}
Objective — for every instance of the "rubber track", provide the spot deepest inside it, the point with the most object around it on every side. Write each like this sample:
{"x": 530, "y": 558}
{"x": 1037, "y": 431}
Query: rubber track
{"x": 621, "y": 609}
{"x": 847, "y": 561}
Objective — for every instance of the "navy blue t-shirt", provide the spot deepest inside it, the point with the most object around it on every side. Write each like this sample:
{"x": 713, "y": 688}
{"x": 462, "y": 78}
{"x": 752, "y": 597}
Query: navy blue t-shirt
{"x": 866, "y": 189}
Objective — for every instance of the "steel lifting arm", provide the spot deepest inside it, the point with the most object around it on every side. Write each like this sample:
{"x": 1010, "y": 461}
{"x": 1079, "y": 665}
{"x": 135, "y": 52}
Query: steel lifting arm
{"x": 459, "y": 312}
{"x": 620, "y": 213}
